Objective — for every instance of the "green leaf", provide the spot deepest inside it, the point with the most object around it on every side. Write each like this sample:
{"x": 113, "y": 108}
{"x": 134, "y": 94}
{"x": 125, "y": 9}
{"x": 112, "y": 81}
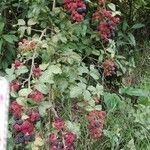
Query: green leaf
{"x": 1, "y": 43}
{"x": 43, "y": 107}
{"x": 55, "y": 69}
{"x": 112, "y": 101}
{"x": 133, "y": 91}
{"x": 28, "y": 30}
{"x": 1, "y": 26}
{"x": 75, "y": 91}
{"x": 131, "y": 145}
{"x": 98, "y": 107}
{"x": 24, "y": 92}
{"x": 87, "y": 95}
{"x": 137, "y": 26}
{"x": 31, "y": 22}
{"x": 47, "y": 77}
{"x": 44, "y": 66}
{"x": 9, "y": 38}
{"x": 83, "y": 69}
{"x": 10, "y": 71}
{"x": 99, "y": 90}
{"x": 112, "y": 6}
{"x": 42, "y": 88}
{"x": 125, "y": 26}
{"x": 21, "y": 101}
{"x": 131, "y": 39}
{"x": 94, "y": 72}
{"x": 73, "y": 127}
{"x": 21, "y": 70}
{"x": 21, "y": 30}
{"x": 21, "y": 22}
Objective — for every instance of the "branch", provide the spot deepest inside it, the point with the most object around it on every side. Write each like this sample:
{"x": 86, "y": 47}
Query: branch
{"x": 54, "y": 4}
{"x": 51, "y": 99}
{"x": 32, "y": 63}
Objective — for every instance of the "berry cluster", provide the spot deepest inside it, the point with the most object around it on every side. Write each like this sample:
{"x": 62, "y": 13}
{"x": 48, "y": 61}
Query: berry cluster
{"x": 61, "y": 139}
{"x": 36, "y": 71}
{"x": 36, "y": 96}
{"x": 96, "y": 123}
{"x": 17, "y": 64}
{"x": 14, "y": 86}
{"x": 24, "y": 130}
{"x": 109, "y": 68}
{"x": 77, "y": 9}
{"x": 107, "y": 22}
{"x": 16, "y": 109}
{"x": 27, "y": 45}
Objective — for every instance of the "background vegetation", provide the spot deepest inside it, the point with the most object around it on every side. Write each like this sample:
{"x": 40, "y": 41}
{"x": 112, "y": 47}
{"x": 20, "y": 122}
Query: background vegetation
{"x": 70, "y": 58}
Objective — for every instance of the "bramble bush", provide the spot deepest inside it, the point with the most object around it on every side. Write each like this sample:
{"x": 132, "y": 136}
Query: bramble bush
{"x": 66, "y": 82}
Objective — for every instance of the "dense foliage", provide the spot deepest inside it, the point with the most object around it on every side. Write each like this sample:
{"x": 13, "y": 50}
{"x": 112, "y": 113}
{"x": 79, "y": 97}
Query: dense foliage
{"x": 67, "y": 62}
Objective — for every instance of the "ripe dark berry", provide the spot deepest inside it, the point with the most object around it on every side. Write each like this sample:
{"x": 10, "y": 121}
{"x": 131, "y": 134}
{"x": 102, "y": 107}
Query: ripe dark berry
{"x": 20, "y": 134}
{"x": 32, "y": 138}
{"x": 19, "y": 122}
{"x": 19, "y": 140}
{"x": 84, "y": 10}
{"x": 27, "y": 138}
{"x": 76, "y": 8}
{"x": 17, "y": 118}
{"x": 79, "y": 10}
{"x": 29, "y": 112}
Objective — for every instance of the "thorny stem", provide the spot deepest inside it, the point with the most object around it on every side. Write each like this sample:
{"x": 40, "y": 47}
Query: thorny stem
{"x": 32, "y": 63}
{"x": 51, "y": 99}
{"x": 54, "y": 4}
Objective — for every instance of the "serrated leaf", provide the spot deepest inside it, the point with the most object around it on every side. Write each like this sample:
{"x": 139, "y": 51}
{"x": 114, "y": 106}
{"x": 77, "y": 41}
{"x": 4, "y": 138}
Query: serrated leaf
{"x": 1, "y": 26}
{"x": 29, "y": 30}
{"x": 24, "y": 92}
{"x": 137, "y": 26}
{"x": 21, "y": 22}
{"x": 43, "y": 107}
{"x": 131, "y": 39}
{"x": 44, "y": 66}
{"x": 21, "y": 101}
{"x": 94, "y": 72}
{"x": 21, "y": 70}
{"x": 75, "y": 91}
{"x": 131, "y": 145}
{"x": 87, "y": 95}
{"x": 31, "y": 22}
{"x": 83, "y": 69}
{"x": 133, "y": 92}
{"x": 112, "y": 6}
{"x": 112, "y": 101}
{"x": 1, "y": 43}
{"x": 9, "y": 38}
{"x": 42, "y": 88}
{"x": 98, "y": 107}
{"x": 55, "y": 69}
{"x": 10, "y": 71}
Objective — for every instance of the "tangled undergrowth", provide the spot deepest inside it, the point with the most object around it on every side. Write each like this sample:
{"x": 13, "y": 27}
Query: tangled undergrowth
{"x": 67, "y": 83}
